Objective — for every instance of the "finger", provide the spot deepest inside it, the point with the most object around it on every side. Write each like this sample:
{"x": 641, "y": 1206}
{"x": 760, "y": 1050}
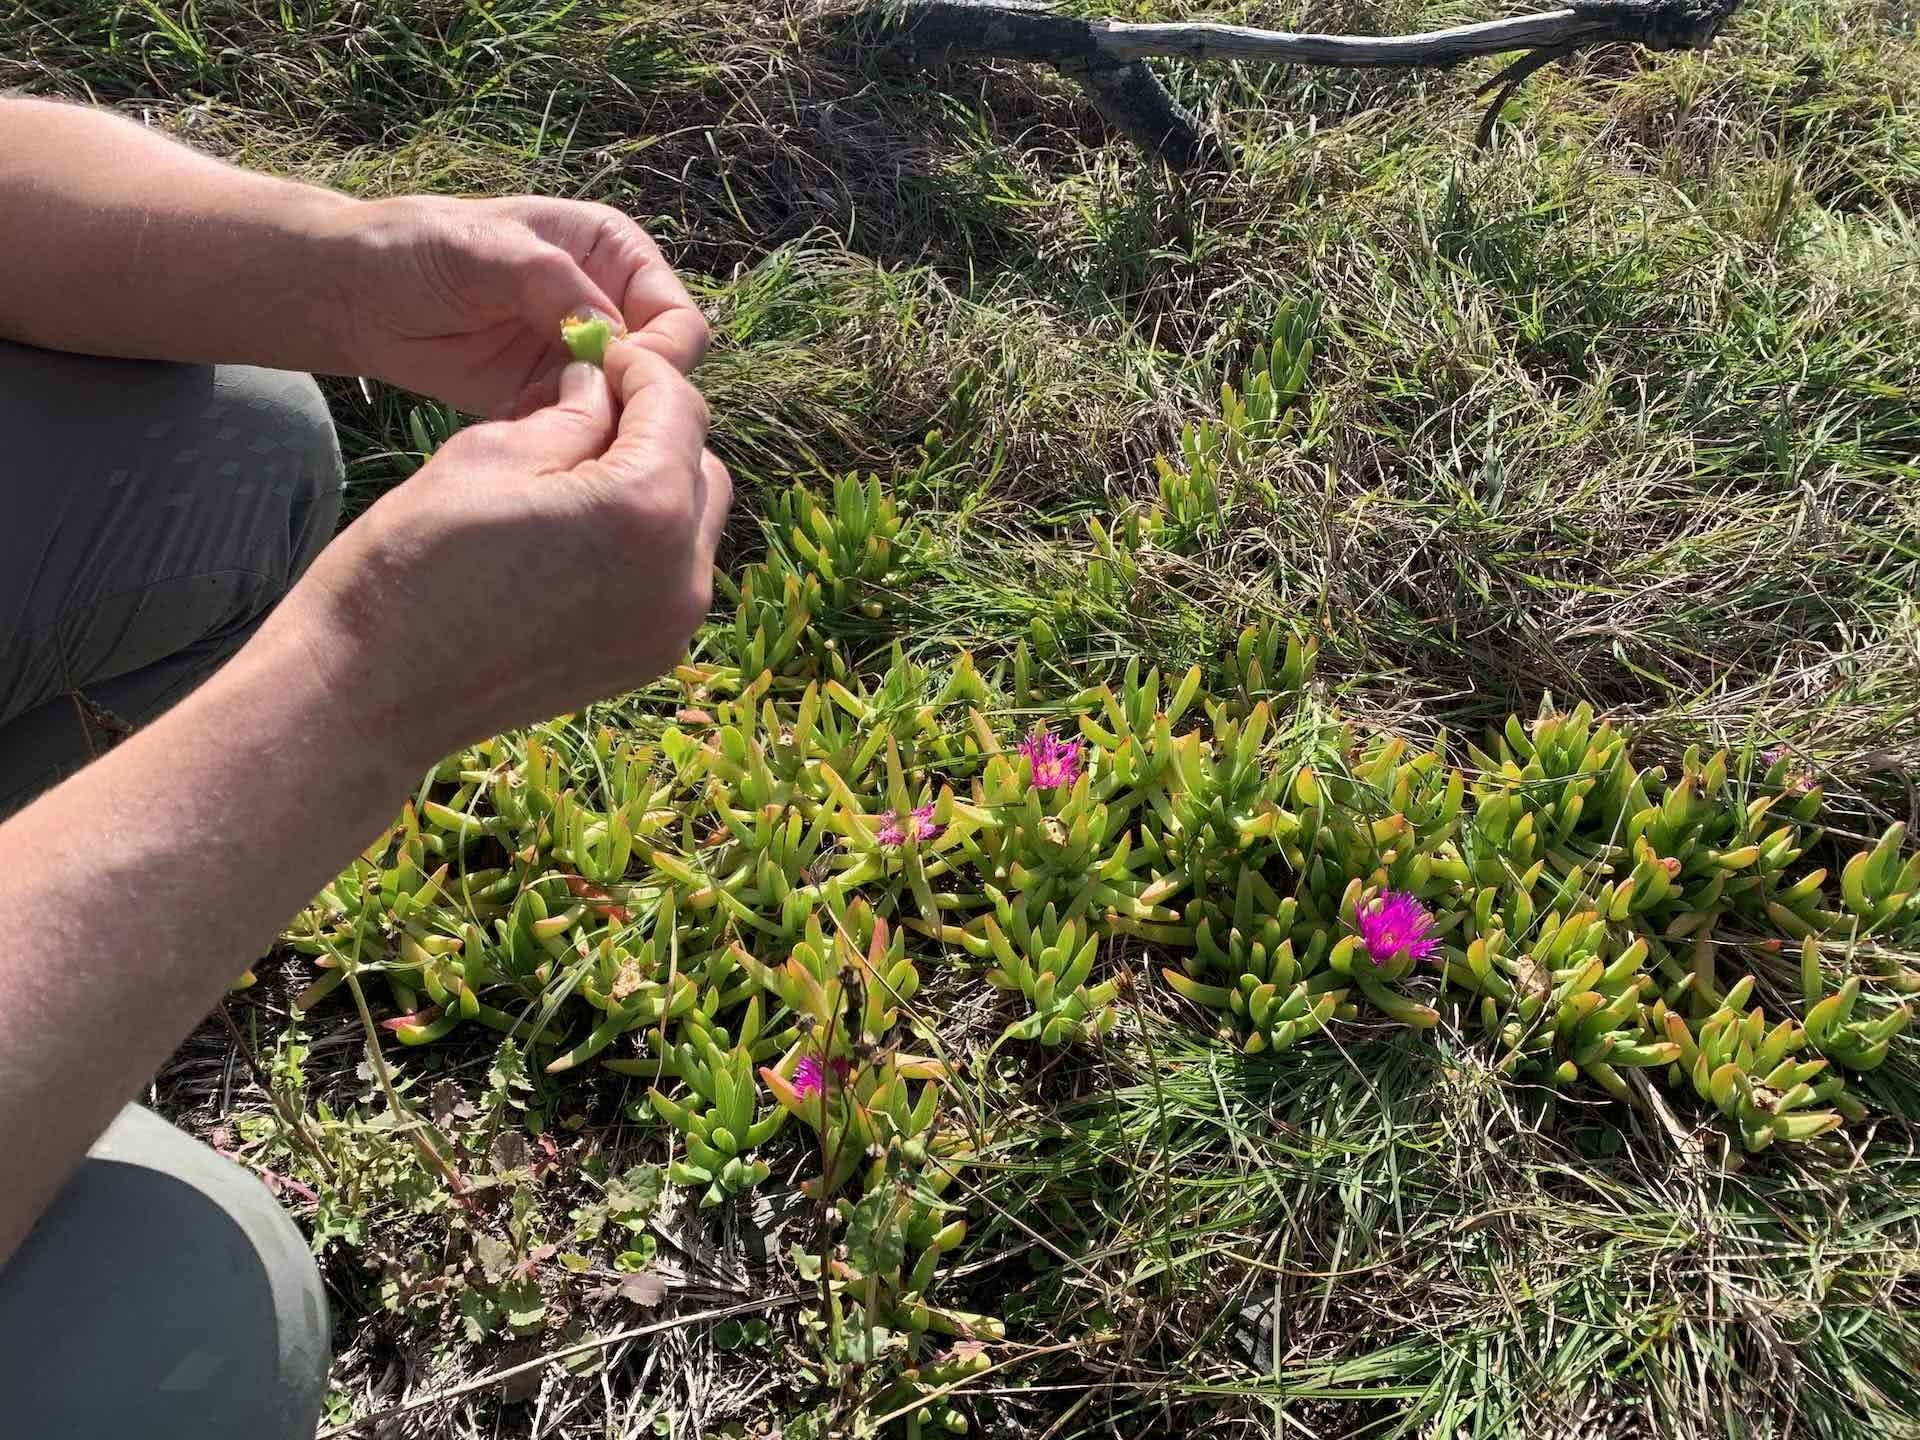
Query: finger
{"x": 654, "y": 301}
{"x": 551, "y": 286}
{"x": 577, "y": 426}
{"x": 679, "y": 332}
{"x": 542, "y": 390}
{"x": 715, "y": 499}
{"x": 622, "y": 261}
{"x": 662, "y": 417}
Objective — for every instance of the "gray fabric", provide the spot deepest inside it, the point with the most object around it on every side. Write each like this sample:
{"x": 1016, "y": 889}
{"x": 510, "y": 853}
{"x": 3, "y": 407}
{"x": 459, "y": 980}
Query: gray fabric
{"x": 164, "y": 1296}
{"x": 150, "y": 516}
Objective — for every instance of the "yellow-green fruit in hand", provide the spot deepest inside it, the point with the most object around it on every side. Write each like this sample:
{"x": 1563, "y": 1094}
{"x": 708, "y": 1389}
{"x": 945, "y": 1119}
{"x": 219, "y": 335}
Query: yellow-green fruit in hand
{"x": 587, "y": 336}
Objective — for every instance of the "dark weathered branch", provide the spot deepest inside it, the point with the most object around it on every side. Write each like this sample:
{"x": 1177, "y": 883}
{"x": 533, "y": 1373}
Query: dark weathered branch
{"x": 1107, "y": 56}
{"x": 1136, "y": 104}
{"x": 1503, "y": 85}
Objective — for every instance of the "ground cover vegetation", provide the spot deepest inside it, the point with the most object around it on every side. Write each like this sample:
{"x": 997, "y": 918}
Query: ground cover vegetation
{"x": 1294, "y": 814}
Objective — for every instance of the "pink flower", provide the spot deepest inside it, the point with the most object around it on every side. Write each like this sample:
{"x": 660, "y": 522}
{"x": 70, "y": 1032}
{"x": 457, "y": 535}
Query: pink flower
{"x": 1396, "y": 922}
{"x": 810, "y": 1076}
{"x": 1055, "y": 762}
{"x": 893, "y": 834}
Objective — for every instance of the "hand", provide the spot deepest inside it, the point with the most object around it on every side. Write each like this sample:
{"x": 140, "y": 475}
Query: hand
{"x": 463, "y": 299}
{"x": 532, "y": 566}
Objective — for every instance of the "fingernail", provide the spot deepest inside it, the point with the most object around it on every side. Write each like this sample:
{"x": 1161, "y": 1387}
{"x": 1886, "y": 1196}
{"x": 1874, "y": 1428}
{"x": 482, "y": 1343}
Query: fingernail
{"x": 577, "y": 382}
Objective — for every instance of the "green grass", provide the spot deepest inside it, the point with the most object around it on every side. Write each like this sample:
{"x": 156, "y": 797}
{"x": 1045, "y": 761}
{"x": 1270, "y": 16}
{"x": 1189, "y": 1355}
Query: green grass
{"x": 1627, "y": 410}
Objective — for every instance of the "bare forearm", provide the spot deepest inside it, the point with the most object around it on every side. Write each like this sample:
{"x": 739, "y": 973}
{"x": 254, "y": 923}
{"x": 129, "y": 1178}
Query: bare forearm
{"x": 132, "y": 895}
{"x": 117, "y": 241}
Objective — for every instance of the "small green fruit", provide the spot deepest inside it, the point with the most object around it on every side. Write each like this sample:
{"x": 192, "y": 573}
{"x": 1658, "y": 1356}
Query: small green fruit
{"x": 587, "y": 336}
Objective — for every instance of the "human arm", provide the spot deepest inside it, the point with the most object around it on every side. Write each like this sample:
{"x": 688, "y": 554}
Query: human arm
{"x": 133, "y": 893}
{"x": 118, "y": 241}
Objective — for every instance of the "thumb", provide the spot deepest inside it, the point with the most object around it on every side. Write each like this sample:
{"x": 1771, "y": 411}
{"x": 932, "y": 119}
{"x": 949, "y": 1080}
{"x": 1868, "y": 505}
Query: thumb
{"x": 551, "y": 286}
{"x": 578, "y": 426}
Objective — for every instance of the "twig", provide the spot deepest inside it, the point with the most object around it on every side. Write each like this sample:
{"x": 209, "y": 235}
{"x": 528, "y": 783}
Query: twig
{"x": 599, "y": 1342}
{"x": 1510, "y": 80}
{"x": 404, "y": 1119}
{"x": 1107, "y": 56}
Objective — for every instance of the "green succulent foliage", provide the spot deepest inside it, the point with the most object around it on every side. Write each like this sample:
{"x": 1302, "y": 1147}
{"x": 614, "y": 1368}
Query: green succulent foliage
{"x": 1756, "y": 1075}
{"x": 1573, "y": 890}
{"x": 876, "y": 1287}
{"x": 633, "y": 986}
{"x": 1113, "y": 569}
{"x": 1880, "y": 893}
{"x": 772, "y": 624}
{"x": 1838, "y": 1025}
{"x": 888, "y": 1155}
{"x": 1070, "y": 846}
{"x": 1048, "y": 961}
{"x": 1268, "y": 407}
{"x": 853, "y": 548}
{"x": 1190, "y": 491}
{"x": 1269, "y": 662}
{"x": 832, "y": 570}
{"x": 1244, "y": 963}
{"x": 739, "y": 908}
{"x": 721, "y": 1119}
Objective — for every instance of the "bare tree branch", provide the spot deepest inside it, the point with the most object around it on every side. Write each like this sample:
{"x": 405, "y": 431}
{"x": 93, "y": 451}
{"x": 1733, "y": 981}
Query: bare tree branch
{"x": 1510, "y": 80}
{"x": 1106, "y": 56}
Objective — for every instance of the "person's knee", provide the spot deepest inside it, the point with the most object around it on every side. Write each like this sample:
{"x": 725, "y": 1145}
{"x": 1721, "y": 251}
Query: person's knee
{"x": 173, "y": 506}
{"x": 256, "y": 470}
{"x": 168, "y": 1294}
{"x": 290, "y": 430}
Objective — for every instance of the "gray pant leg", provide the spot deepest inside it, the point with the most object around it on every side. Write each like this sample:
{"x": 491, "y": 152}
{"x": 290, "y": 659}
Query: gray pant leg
{"x": 150, "y": 516}
{"x": 165, "y": 1295}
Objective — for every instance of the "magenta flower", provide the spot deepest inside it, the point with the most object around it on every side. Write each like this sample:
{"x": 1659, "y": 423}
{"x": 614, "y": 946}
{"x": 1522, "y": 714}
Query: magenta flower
{"x": 1396, "y": 922}
{"x": 810, "y": 1076}
{"x": 1055, "y": 762}
{"x": 892, "y": 833}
